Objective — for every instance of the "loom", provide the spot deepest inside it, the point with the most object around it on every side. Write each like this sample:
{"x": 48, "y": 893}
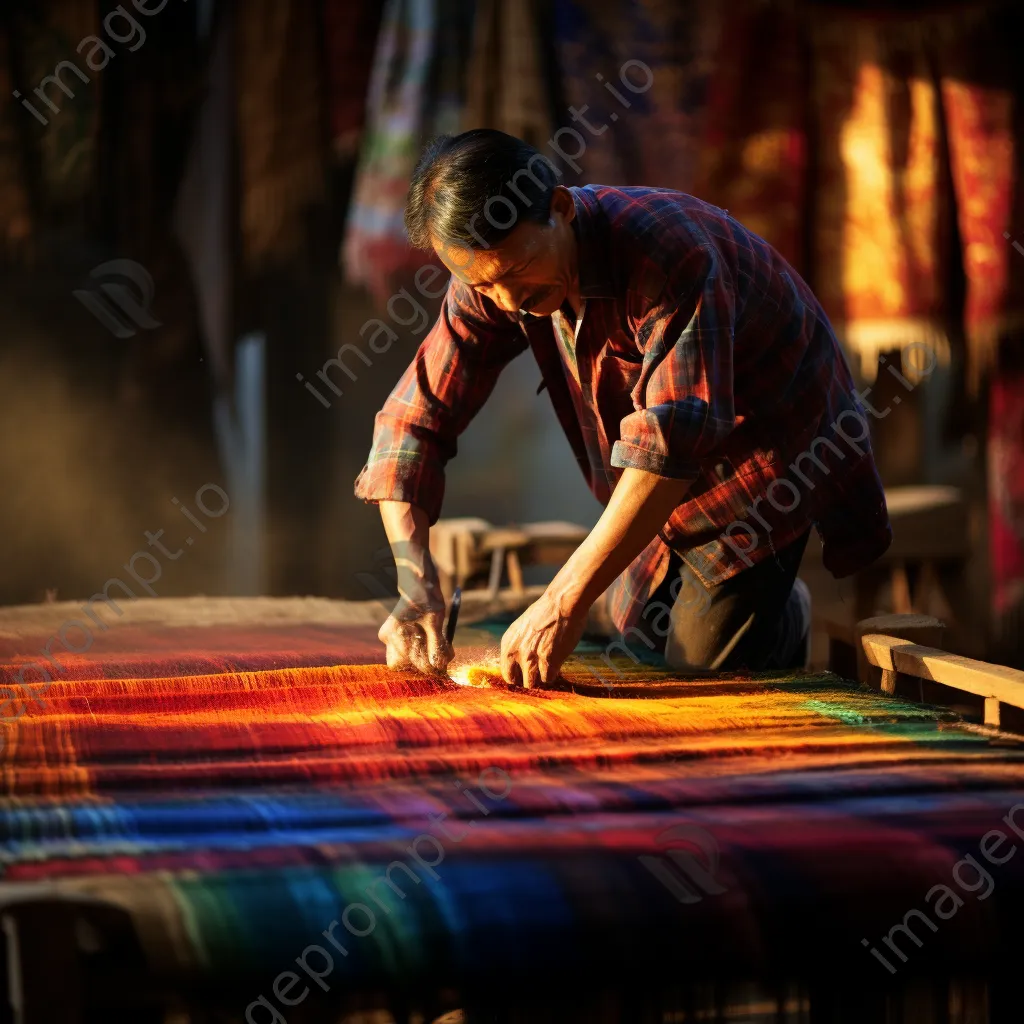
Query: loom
{"x": 205, "y": 808}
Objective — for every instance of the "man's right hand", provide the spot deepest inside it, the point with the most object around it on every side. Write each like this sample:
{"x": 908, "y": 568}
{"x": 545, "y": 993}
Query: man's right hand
{"x": 414, "y": 638}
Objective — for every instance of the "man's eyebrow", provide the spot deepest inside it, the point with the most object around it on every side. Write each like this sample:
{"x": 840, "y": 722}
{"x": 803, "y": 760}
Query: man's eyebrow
{"x": 522, "y": 265}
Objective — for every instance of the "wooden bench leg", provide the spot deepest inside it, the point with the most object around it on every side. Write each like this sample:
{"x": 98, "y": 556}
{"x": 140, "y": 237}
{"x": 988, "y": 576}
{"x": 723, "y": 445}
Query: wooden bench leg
{"x": 915, "y": 629}
{"x": 902, "y": 602}
{"x": 515, "y": 572}
{"x": 992, "y": 712}
{"x": 494, "y": 581}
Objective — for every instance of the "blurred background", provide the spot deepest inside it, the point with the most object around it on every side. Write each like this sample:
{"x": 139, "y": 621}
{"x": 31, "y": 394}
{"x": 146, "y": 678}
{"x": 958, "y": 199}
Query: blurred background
{"x": 201, "y": 207}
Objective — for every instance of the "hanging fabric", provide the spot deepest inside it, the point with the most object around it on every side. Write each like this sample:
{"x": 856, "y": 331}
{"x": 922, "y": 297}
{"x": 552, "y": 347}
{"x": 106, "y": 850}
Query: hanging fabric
{"x": 752, "y": 159}
{"x": 66, "y": 145}
{"x": 281, "y": 136}
{"x": 982, "y": 98}
{"x": 878, "y": 261}
{"x": 15, "y": 211}
{"x": 350, "y": 31}
{"x": 1006, "y": 510}
{"x": 417, "y": 91}
{"x": 506, "y": 88}
{"x": 634, "y": 76}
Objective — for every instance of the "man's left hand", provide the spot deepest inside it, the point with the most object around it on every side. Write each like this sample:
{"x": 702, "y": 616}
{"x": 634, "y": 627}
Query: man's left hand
{"x": 535, "y": 645}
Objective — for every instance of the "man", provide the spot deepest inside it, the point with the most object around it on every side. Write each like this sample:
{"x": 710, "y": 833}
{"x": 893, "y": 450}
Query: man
{"x": 699, "y": 383}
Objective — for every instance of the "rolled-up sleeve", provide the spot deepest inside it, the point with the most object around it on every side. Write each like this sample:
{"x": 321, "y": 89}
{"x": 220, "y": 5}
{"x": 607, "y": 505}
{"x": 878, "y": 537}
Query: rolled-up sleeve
{"x": 684, "y": 398}
{"x": 451, "y": 376}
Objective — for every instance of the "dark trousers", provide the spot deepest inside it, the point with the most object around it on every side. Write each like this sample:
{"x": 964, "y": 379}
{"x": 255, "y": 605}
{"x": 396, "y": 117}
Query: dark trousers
{"x": 752, "y": 620}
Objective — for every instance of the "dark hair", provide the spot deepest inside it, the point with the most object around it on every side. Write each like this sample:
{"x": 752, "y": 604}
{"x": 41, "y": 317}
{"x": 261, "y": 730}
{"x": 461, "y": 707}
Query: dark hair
{"x": 473, "y": 188}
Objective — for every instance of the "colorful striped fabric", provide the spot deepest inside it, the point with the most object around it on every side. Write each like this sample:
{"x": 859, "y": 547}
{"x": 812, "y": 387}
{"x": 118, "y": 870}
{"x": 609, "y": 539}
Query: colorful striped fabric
{"x": 464, "y": 835}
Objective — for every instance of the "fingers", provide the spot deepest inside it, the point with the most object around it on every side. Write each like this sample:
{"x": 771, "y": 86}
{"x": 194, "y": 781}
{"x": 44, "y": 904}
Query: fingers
{"x": 396, "y": 658}
{"x": 416, "y": 647}
{"x": 439, "y": 651}
{"x": 545, "y": 675}
{"x": 406, "y": 646}
{"x": 521, "y": 669}
{"x": 398, "y": 648}
{"x": 509, "y": 663}
{"x": 510, "y": 667}
{"x": 530, "y": 672}
{"x": 394, "y": 648}
{"x": 518, "y": 662}
{"x": 513, "y": 673}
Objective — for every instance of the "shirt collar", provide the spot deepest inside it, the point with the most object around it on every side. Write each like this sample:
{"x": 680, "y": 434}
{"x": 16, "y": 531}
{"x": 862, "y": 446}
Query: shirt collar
{"x": 591, "y": 229}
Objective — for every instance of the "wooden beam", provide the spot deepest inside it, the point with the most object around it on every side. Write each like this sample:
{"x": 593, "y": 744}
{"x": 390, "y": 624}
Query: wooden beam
{"x": 979, "y": 677}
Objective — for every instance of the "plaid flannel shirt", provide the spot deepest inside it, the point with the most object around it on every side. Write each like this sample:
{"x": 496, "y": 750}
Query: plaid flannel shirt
{"x": 699, "y": 354}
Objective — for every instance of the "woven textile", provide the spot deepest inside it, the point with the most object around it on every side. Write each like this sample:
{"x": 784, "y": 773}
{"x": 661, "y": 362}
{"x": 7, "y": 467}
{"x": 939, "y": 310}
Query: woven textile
{"x": 236, "y": 815}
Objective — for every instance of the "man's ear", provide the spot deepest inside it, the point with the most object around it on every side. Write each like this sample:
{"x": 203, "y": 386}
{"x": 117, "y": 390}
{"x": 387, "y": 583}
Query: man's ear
{"x": 562, "y": 204}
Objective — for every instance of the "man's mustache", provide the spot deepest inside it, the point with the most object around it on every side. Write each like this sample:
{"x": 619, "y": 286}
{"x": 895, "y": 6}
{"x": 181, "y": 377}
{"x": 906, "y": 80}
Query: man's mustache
{"x": 538, "y": 297}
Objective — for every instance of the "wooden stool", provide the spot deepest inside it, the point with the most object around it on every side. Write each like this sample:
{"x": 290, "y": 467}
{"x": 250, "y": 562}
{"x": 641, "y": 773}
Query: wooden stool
{"x": 503, "y": 547}
{"x": 465, "y": 549}
{"x": 453, "y": 549}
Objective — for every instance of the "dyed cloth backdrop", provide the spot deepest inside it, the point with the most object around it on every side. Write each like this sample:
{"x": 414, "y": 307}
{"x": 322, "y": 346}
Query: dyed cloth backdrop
{"x": 1006, "y": 510}
{"x": 879, "y": 152}
{"x": 852, "y": 141}
{"x": 236, "y": 788}
{"x": 417, "y": 90}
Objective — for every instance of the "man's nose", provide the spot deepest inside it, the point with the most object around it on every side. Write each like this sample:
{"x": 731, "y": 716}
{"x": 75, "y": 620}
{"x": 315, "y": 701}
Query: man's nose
{"x": 502, "y": 298}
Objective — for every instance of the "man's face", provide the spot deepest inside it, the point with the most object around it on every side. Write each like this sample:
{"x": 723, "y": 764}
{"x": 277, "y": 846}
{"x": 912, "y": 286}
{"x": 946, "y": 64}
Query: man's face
{"x": 534, "y": 268}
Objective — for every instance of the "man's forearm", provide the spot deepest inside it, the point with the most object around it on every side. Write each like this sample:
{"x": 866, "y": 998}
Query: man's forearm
{"x": 408, "y": 530}
{"x": 639, "y": 507}
{"x": 413, "y": 633}
{"x": 406, "y": 525}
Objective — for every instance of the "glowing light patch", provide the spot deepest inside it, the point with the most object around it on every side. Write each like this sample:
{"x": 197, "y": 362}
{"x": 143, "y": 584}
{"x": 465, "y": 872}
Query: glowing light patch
{"x": 477, "y": 675}
{"x": 460, "y": 675}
